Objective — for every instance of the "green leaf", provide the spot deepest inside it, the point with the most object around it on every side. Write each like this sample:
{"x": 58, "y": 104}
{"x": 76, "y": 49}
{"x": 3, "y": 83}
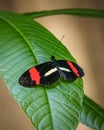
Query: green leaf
{"x": 92, "y": 114}
{"x": 25, "y": 43}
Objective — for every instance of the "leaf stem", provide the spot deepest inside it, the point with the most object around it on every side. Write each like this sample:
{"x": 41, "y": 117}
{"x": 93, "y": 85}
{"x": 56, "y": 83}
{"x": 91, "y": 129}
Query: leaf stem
{"x": 71, "y": 11}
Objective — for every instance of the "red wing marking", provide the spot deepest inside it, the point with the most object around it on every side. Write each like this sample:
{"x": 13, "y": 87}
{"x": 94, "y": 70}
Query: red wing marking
{"x": 73, "y": 68}
{"x": 35, "y": 76}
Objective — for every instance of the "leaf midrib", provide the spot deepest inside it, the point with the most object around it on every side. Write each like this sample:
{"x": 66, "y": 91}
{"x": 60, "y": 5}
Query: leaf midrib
{"x": 46, "y": 91}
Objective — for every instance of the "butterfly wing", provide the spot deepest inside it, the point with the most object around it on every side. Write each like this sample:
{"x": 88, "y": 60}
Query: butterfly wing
{"x": 69, "y": 70}
{"x": 45, "y": 74}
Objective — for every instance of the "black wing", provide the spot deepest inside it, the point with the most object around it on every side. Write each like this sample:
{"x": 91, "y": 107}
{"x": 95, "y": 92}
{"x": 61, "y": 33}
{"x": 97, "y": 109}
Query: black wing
{"x": 48, "y": 72}
{"x": 45, "y": 74}
{"x": 69, "y": 70}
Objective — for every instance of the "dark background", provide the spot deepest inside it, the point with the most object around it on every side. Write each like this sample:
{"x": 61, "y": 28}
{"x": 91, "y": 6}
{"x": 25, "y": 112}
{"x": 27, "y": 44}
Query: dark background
{"x": 84, "y": 37}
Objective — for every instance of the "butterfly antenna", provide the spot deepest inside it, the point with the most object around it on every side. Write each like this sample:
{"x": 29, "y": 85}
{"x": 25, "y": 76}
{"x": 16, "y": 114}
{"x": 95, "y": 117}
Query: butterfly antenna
{"x": 62, "y": 38}
{"x": 58, "y": 45}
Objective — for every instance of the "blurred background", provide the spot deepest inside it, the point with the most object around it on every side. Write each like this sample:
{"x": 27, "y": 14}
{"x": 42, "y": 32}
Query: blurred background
{"x": 84, "y": 37}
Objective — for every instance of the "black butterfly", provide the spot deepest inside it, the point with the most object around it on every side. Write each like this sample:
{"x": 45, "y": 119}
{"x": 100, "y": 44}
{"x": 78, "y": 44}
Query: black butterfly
{"x": 49, "y": 72}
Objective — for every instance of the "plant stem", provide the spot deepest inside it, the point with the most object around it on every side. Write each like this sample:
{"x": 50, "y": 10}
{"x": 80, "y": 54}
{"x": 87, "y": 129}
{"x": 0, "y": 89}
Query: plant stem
{"x": 73, "y": 11}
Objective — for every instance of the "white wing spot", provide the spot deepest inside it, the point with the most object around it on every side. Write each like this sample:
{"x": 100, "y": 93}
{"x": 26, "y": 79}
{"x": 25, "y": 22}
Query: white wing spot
{"x": 64, "y": 69}
{"x": 50, "y": 71}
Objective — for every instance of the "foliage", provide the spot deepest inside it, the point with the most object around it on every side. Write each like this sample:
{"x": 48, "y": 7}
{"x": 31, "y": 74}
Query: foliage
{"x": 25, "y": 43}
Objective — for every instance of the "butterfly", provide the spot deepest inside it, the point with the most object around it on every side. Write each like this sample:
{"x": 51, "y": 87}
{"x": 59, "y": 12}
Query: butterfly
{"x": 49, "y": 72}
